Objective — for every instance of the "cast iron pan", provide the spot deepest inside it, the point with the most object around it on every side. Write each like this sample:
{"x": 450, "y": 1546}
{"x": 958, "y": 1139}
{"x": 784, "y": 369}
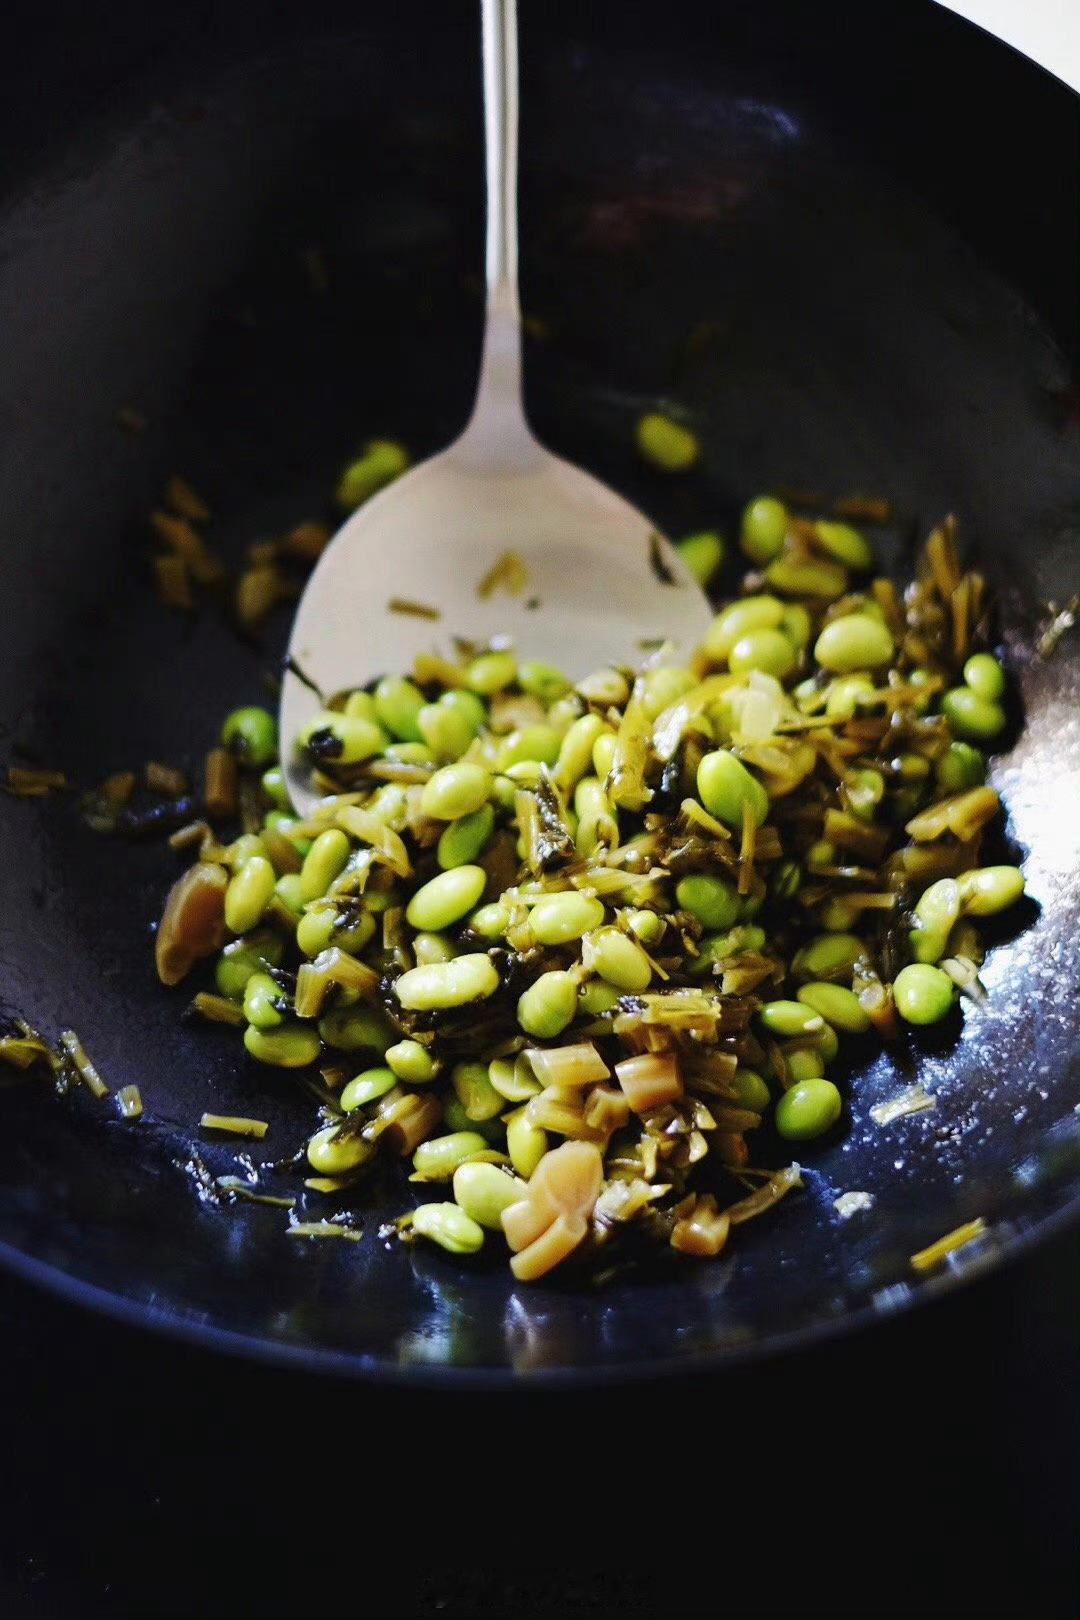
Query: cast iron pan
{"x": 830, "y": 250}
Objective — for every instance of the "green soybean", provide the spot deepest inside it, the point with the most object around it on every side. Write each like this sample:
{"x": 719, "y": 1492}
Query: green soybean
{"x": 357, "y": 1029}
{"x": 456, "y": 791}
{"x": 525, "y": 1143}
{"x": 794, "y": 577}
{"x": 750, "y": 1090}
{"x": 243, "y": 957}
{"x": 342, "y": 739}
{"x": 360, "y": 705}
{"x": 845, "y": 696}
{"x": 265, "y": 1003}
{"x": 828, "y": 956}
{"x": 985, "y": 676}
{"x": 738, "y": 620}
{"x": 293, "y": 1046}
{"x": 852, "y": 642}
{"x": 287, "y": 889}
{"x": 619, "y": 960}
{"x": 252, "y": 735}
{"x": 961, "y": 766}
{"x": 449, "y": 1227}
{"x": 333, "y": 1152}
{"x": 432, "y": 948}
{"x": 989, "y": 889}
{"x": 973, "y": 718}
{"x": 558, "y": 919}
{"x": 790, "y": 1018}
{"x": 546, "y": 1008}
{"x": 923, "y": 994}
{"x": 809, "y": 1109}
{"x": 714, "y": 902}
{"x": 491, "y": 921}
{"x": 539, "y": 743}
{"x": 596, "y": 998}
{"x": 409, "y": 753}
{"x": 703, "y": 555}
{"x": 804, "y": 1063}
{"x": 491, "y": 672}
{"x": 275, "y": 787}
{"x": 445, "y": 899}
{"x": 249, "y": 893}
{"x": 439, "y": 985}
{"x": 382, "y": 461}
{"x": 449, "y": 726}
{"x": 603, "y": 754}
{"x": 844, "y": 544}
{"x": 397, "y": 705}
{"x": 513, "y": 1078}
{"x": 438, "y": 1157}
{"x": 323, "y": 862}
{"x": 797, "y": 625}
{"x": 763, "y": 529}
{"x": 767, "y": 650}
{"x": 483, "y": 1191}
{"x": 411, "y": 1062}
{"x": 864, "y": 791}
{"x": 542, "y": 681}
{"x": 648, "y": 926}
{"x": 575, "y": 752}
{"x": 367, "y": 1087}
{"x": 475, "y": 1092}
{"x": 839, "y": 1007}
{"x": 936, "y": 912}
{"x": 325, "y": 925}
{"x": 663, "y": 687}
{"x": 665, "y": 443}
{"x": 726, "y": 788}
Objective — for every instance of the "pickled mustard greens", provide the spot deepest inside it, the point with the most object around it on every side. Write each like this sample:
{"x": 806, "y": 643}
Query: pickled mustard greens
{"x": 573, "y": 951}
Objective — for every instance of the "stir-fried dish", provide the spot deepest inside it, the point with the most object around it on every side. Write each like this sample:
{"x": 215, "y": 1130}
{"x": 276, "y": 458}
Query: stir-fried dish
{"x": 581, "y": 954}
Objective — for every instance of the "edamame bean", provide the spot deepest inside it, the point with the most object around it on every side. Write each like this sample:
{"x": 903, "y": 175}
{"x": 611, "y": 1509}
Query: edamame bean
{"x": 828, "y": 956}
{"x": 249, "y": 893}
{"x": 491, "y": 672}
{"x": 287, "y": 889}
{"x": 960, "y": 767}
{"x": 293, "y": 1046}
{"x": 252, "y": 735}
{"x": 666, "y": 444}
{"x": 703, "y": 554}
{"x": 449, "y": 726}
{"x": 985, "y": 676}
{"x": 839, "y": 1007}
{"x": 575, "y": 751}
{"x": 804, "y": 1063}
{"x": 542, "y": 681}
{"x": 973, "y": 718}
{"x": 456, "y": 1119}
{"x": 274, "y": 786}
{"x": 558, "y": 919}
{"x": 647, "y": 926}
{"x": 844, "y": 544}
{"x": 438, "y": 1157}
{"x": 341, "y": 739}
{"x": 539, "y": 744}
{"x": 852, "y": 642}
{"x": 725, "y": 787}
{"x": 381, "y": 462}
{"x": 663, "y": 687}
{"x": 548, "y": 1005}
{"x": 738, "y": 620}
{"x": 597, "y": 998}
{"x": 525, "y": 1143}
{"x": 360, "y": 705}
{"x": 763, "y": 529}
{"x": 432, "y": 948}
{"x": 845, "y": 696}
{"x": 491, "y": 921}
{"x": 603, "y": 754}
{"x": 795, "y": 578}
{"x": 439, "y": 985}
{"x": 864, "y": 791}
{"x": 750, "y": 1090}
{"x": 989, "y": 889}
{"x": 513, "y": 1079}
{"x": 265, "y": 1003}
{"x": 936, "y": 913}
{"x": 445, "y": 899}
{"x": 323, "y": 862}
{"x": 243, "y": 848}
{"x": 923, "y": 994}
{"x": 455, "y": 791}
{"x": 333, "y": 1152}
{"x": 619, "y": 960}
{"x": 397, "y": 704}
{"x": 411, "y": 1062}
{"x": 797, "y": 625}
{"x": 809, "y": 1109}
{"x": 711, "y": 900}
{"x": 484, "y": 1190}
{"x": 409, "y": 753}
{"x": 357, "y": 1029}
{"x": 325, "y": 925}
{"x": 605, "y": 687}
{"x": 367, "y": 1087}
{"x": 767, "y": 650}
{"x": 475, "y": 1092}
{"x": 449, "y": 1227}
{"x": 790, "y": 1018}
{"x": 243, "y": 957}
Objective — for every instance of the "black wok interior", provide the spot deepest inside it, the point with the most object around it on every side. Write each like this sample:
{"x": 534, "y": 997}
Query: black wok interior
{"x": 850, "y": 253}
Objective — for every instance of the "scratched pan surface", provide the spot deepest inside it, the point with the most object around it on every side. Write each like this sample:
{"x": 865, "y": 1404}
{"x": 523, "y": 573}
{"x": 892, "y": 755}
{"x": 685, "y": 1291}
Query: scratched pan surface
{"x": 877, "y": 271}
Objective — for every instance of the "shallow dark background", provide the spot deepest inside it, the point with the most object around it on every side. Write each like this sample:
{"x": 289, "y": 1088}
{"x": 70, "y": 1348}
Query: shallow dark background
{"x": 925, "y": 1465}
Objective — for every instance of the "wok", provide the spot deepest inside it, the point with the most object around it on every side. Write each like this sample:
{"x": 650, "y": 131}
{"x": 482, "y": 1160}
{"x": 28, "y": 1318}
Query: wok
{"x": 852, "y": 253}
